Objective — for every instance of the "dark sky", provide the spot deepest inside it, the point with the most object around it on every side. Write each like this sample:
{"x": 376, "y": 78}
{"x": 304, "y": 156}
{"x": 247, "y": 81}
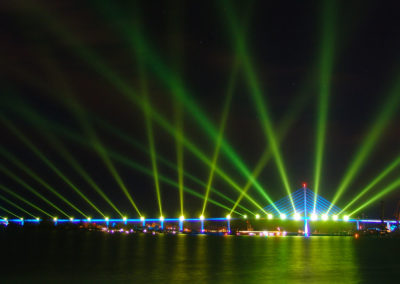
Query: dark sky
{"x": 50, "y": 50}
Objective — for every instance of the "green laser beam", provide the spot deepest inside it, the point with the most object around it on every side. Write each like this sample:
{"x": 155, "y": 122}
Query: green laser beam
{"x": 140, "y": 168}
{"x": 167, "y": 163}
{"x": 131, "y": 141}
{"x": 224, "y": 119}
{"x": 216, "y": 192}
{"x": 374, "y": 182}
{"x": 62, "y": 150}
{"x": 100, "y": 149}
{"x": 256, "y": 172}
{"x": 149, "y": 126}
{"x": 369, "y": 142}
{"x": 11, "y": 192}
{"x": 326, "y": 63}
{"x": 78, "y": 139}
{"x": 84, "y": 52}
{"x": 35, "y": 118}
{"x": 17, "y": 206}
{"x": 99, "y": 66}
{"x": 169, "y": 181}
{"x": 150, "y": 134}
{"x": 295, "y": 109}
{"x": 257, "y": 96}
{"x": 176, "y": 49}
{"x": 194, "y": 150}
{"x": 33, "y": 175}
{"x": 179, "y": 149}
{"x": 9, "y": 212}
{"x": 122, "y": 136}
{"x": 383, "y": 192}
{"x": 80, "y": 116}
{"x": 138, "y": 42}
{"x": 39, "y": 154}
{"x": 180, "y": 93}
{"x": 68, "y": 99}
{"x": 202, "y": 119}
{"x": 66, "y": 155}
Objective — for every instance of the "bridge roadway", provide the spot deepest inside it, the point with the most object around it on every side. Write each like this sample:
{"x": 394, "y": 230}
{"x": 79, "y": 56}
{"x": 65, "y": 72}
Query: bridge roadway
{"x": 106, "y": 221}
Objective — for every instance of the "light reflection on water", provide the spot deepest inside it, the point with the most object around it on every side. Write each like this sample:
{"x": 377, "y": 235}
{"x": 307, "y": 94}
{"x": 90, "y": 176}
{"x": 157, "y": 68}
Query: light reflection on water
{"x": 65, "y": 257}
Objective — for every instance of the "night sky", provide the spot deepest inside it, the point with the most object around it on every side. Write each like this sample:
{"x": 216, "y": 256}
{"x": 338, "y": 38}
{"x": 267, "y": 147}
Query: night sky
{"x": 47, "y": 56}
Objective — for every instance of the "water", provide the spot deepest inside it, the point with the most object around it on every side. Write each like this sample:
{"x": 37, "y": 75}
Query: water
{"x": 94, "y": 257}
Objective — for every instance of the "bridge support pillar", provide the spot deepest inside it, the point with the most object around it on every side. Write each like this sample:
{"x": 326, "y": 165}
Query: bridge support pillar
{"x": 306, "y": 228}
{"x": 388, "y": 226}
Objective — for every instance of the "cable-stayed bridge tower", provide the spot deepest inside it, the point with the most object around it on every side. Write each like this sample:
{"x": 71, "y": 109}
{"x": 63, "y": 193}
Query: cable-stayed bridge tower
{"x": 303, "y": 200}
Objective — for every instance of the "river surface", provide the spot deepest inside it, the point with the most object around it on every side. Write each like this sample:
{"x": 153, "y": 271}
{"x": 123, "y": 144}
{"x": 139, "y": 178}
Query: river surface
{"x": 95, "y": 257}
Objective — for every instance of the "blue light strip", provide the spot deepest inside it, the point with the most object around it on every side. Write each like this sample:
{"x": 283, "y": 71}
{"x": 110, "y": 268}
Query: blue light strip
{"x": 114, "y": 220}
{"x": 176, "y": 220}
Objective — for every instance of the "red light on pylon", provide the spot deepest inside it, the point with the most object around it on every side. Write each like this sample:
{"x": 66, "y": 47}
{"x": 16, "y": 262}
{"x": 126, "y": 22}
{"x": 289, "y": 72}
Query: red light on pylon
{"x": 304, "y": 184}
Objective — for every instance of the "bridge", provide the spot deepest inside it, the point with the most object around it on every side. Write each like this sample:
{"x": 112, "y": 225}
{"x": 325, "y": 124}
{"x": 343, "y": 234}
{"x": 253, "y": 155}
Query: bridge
{"x": 302, "y": 205}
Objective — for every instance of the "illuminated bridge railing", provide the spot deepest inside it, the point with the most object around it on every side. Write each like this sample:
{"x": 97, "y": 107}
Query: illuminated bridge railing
{"x": 15, "y": 220}
{"x": 389, "y": 223}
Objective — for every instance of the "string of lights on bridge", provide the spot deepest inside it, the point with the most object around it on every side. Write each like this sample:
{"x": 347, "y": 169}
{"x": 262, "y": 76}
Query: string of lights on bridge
{"x": 296, "y": 217}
